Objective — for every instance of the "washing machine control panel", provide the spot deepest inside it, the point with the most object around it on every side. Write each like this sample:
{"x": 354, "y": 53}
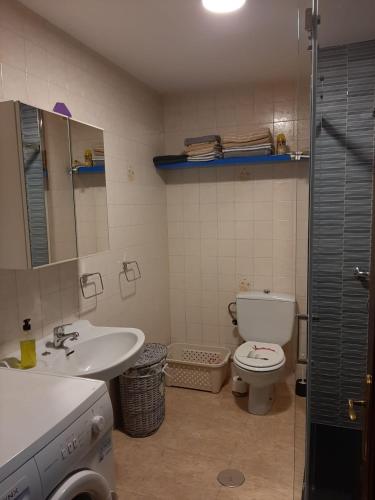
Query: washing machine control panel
{"x": 66, "y": 453}
{"x": 22, "y": 484}
{"x": 69, "y": 447}
{"x": 97, "y": 424}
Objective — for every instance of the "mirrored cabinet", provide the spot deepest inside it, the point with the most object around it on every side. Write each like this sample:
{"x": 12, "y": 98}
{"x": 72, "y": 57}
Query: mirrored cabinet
{"x": 53, "y": 202}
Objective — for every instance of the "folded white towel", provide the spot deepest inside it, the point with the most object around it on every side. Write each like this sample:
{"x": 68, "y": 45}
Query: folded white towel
{"x": 247, "y": 148}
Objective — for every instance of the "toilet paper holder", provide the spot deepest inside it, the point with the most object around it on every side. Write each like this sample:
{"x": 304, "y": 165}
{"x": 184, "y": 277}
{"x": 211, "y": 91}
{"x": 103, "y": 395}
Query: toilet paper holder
{"x": 232, "y": 309}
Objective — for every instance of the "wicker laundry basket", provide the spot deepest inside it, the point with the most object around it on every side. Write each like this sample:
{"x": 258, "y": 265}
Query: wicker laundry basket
{"x": 197, "y": 367}
{"x": 142, "y": 392}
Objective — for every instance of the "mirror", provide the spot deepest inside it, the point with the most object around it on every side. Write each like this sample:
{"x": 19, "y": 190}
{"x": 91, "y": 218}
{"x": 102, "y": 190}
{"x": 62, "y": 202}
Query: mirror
{"x": 48, "y": 186}
{"x": 88, "y": 167}
{"x": 64, "y": 187}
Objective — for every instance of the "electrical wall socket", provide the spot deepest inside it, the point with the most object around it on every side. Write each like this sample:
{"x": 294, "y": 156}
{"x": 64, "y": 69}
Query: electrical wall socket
{"x": 131, "y": 173}
{"x": 244, "y": 174}
{"x": 244, "y": 285}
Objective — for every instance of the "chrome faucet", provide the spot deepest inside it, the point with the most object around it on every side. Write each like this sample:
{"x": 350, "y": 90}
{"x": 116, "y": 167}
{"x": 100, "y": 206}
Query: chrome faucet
{"x": 59, "y": 338}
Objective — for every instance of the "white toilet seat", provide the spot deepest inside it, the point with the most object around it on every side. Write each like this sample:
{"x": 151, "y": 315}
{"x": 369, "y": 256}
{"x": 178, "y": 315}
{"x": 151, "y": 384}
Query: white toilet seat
{"x": 259, "y": 356}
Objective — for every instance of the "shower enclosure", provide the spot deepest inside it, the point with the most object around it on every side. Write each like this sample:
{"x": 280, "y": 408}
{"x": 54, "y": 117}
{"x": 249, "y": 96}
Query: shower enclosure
{"x": 340, "y": 227}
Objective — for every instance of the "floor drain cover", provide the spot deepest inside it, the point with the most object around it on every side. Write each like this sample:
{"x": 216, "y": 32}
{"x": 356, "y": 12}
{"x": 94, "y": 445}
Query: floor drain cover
{"x": 231, "y": 478}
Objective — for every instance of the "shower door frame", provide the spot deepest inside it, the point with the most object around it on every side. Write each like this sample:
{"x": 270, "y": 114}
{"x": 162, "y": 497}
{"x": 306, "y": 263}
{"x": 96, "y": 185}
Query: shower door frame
{"x": 368, "y": 463}
{"x": 368, "y": 466}
{"x": 313, "y": 92}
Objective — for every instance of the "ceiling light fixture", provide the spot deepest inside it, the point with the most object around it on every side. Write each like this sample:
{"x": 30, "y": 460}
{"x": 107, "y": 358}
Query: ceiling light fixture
{"x": 223, "y": 6}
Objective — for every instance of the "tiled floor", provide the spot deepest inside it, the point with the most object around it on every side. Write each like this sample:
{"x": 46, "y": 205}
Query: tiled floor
{"x": 204, "y": 433}
{"x": 299, "y": 449}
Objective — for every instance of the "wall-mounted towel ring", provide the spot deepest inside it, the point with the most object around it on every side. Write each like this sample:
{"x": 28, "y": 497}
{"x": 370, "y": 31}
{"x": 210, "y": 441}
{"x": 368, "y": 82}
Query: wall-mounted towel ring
{"x": 131, "y": 270}
{"x": 84, "y": 282}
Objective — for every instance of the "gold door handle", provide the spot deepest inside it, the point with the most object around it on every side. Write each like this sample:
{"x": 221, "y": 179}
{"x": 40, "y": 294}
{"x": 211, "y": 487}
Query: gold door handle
{"x": 352, "y": 403}
{"x": 364, "y": 403}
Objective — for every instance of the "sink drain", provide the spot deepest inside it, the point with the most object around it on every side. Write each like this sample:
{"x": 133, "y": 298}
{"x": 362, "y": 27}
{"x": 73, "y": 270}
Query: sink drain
{"x": 231, "y": 478}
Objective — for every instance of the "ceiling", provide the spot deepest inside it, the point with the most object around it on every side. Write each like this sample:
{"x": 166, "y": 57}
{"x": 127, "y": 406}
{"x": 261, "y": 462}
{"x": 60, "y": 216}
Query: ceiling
{"x": 176, "y": 45}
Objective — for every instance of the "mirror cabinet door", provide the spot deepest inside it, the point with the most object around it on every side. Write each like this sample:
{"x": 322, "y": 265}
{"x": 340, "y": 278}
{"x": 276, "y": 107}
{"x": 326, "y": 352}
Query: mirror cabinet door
{"x": 48, "y": 186}
{"x": 65, "y": 186}
{"x": 88, "y": 166}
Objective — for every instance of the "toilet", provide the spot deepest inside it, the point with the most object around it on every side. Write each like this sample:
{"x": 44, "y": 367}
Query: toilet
{"x": 265, "y": 322}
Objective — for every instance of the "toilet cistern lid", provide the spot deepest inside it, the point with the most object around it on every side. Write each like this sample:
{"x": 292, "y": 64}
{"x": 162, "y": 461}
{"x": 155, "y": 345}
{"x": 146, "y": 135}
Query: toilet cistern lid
{"x": 259, "y": 354}
{"x": 256, "y": 295}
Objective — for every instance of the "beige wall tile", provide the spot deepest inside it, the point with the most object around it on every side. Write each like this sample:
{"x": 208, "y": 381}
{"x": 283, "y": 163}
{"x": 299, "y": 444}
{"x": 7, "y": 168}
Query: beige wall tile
{"x": 217, "y": 225}
{"x": 253, "y": 219}
{"x": 41, "y": 65}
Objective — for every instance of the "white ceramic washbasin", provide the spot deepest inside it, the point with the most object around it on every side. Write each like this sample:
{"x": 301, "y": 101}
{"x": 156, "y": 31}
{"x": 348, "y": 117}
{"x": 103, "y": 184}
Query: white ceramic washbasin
{"x": 99, "y": 352}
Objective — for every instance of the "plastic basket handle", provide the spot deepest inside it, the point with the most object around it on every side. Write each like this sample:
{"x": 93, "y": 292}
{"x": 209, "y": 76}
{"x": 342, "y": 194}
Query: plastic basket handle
{"x": 165, "y": 371}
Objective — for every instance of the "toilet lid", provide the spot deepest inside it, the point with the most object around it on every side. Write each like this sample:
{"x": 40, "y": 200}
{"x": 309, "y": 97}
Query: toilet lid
{"x": 259, "y": 354}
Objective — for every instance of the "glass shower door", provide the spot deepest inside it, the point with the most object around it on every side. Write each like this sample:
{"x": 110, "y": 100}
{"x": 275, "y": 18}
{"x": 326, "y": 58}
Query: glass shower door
{"x": 343, "y": 133}
{"x": 301, "y": 251}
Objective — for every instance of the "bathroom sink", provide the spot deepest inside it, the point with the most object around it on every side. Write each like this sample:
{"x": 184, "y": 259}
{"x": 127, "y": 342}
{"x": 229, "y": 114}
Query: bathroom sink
{"x": 104, "y": 357}
{"x": 99, "y": 352}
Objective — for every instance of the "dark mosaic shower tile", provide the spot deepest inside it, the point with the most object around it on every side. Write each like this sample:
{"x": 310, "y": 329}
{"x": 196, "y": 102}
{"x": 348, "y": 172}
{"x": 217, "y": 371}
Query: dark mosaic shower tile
{"x": 341, "y": 227}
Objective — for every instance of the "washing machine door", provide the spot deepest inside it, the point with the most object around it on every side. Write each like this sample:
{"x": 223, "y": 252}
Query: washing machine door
{"x": 83, "y": 485}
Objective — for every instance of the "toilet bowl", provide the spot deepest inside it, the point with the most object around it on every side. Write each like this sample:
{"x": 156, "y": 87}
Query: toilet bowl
{"x": 261, "y": 365}
{"x": 265, "y": 322}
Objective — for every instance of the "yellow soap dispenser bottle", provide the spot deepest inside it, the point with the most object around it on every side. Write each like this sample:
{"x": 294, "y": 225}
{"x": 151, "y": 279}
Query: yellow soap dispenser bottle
{"x": 27, "y": 346}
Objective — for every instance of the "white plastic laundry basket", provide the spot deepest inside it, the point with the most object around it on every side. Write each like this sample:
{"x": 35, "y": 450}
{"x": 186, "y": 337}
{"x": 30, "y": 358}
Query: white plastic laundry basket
{"x": 196, "y": 366}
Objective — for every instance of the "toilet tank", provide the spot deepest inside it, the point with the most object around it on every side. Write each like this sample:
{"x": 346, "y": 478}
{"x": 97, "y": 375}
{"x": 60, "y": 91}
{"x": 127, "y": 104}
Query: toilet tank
{"x": 265, "y": 317}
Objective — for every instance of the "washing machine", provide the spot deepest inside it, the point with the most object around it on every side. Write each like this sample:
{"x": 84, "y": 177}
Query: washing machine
{"x": 55, "y": 438}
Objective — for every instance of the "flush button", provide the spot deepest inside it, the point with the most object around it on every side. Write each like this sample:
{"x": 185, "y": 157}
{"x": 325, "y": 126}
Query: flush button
{"x": 64, "y": 452}
{"x": 70, "y": 447}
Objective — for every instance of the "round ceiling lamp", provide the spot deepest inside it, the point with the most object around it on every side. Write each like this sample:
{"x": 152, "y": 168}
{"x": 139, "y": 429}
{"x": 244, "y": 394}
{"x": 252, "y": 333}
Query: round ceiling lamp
{"x": 223, "y": 6}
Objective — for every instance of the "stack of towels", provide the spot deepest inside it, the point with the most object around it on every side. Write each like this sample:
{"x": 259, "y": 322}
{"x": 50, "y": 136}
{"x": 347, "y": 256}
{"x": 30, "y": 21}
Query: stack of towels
{"x": 204, "y": 148}
{"x": 169, "y": 159}
{"x": 98, "y": 153}
{"x": 257, "y": 143}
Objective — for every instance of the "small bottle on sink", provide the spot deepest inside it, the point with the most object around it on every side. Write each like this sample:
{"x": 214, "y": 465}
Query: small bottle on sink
{"x": 27, "y": 346}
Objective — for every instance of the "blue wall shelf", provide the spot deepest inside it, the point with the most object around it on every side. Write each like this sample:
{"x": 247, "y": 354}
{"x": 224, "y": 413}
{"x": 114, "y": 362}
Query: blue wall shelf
{"x": 242, "y": 160}
{"x": 96, "y": 169}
